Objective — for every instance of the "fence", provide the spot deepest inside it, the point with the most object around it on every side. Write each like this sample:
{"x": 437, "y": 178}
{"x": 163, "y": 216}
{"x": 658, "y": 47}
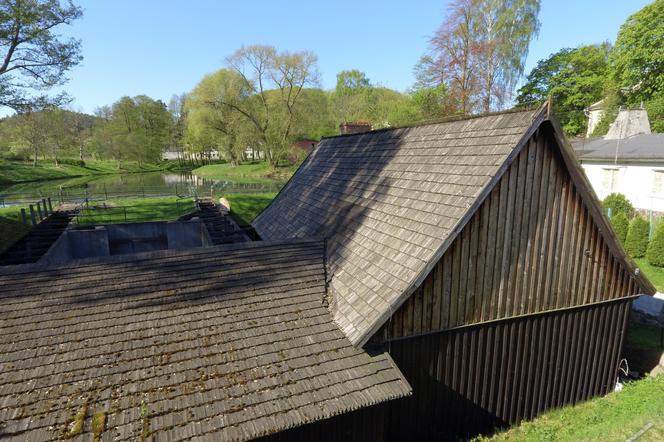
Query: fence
{"x": 134, "y": 213}
{"x": 76, "y": 194}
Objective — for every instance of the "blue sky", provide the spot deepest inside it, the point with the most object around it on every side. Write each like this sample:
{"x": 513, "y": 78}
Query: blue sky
{"x": 162, "y": 47}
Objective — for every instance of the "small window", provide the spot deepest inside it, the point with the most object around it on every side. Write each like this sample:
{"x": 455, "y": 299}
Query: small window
{"x": 658, "y": 181}
{"x": 610, "y": 179}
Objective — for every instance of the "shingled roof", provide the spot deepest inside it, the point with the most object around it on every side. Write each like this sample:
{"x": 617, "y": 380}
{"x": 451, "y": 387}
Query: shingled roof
{"x": 389, "y": 202}
{"x": 221, "y": 343}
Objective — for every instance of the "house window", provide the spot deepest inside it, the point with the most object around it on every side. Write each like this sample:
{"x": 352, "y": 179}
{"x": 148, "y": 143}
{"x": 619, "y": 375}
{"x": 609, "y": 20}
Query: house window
{"x": 610, "y": 179}
{"x": 658, "y": 181}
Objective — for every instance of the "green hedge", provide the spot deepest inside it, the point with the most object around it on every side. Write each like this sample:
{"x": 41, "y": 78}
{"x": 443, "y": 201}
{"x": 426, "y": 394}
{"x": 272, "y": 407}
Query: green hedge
{"x": 636, "y": 242}
{"x": 620, "y": 225}
{"x": 618, "y": 203}
{"x": 655, "y": 252}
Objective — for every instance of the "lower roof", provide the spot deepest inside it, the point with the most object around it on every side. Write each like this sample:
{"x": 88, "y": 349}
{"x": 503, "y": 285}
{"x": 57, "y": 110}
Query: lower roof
{"x": 220, "y": 343}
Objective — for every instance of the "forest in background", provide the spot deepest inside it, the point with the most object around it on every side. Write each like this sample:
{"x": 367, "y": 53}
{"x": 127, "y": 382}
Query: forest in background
{"x": 263, "y": 100}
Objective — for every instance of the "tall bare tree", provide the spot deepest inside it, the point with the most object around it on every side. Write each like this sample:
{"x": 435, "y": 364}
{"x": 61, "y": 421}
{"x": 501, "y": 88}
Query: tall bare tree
{"x": 479, "y": 51}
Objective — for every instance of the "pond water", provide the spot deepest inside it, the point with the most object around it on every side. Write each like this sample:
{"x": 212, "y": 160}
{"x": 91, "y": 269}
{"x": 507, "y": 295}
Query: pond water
{"x": 129, "y": 185}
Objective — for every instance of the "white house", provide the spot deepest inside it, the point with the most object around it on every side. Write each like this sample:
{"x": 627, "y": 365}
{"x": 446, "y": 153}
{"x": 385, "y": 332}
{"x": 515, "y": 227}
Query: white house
{"x": 628, "y": 160}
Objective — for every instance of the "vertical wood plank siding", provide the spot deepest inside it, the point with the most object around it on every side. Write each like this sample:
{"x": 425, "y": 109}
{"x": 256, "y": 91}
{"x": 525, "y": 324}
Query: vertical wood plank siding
{"x": 531, "y": 247}
{"x": 468, "y": 380}
{"x": 364, "y": 425}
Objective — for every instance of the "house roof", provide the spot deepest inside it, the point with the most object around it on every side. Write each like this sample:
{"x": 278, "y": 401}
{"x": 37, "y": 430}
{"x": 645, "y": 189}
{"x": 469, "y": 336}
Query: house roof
{"x": 221, "y": 343}
{"x": 387, "y": 201}
{"x": 644, "y": 148}
{"x": 391, "y": 202}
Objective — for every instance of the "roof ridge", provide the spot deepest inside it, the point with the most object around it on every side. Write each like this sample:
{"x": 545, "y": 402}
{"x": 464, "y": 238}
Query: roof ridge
{"x": 448, "y": 119}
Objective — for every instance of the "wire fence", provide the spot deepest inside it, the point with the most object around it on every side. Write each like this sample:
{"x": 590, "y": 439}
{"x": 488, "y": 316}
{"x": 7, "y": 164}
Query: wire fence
{"x": 95, "y": 214}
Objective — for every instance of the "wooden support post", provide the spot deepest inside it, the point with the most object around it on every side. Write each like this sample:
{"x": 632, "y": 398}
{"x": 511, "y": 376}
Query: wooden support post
{"x": 24, "y": 217}
{"x": 45, "y": 207}
{"x": 32, "y": 215}
{"x": 50, "y": 205}
{"x": 39, "y": 211}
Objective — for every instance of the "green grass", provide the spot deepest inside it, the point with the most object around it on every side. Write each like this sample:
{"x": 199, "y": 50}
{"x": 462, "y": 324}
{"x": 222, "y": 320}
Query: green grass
{"x": 11, "y": 231}
{"x": 136, "y": 210}
{"x": 654, "y": 274}
{"x": 258, "y": 171}
{"x": 643, "y": 336}
{"x": 615, "y": 417}
{"x": 12, "y": 172}
{"x": 245, "y": 207}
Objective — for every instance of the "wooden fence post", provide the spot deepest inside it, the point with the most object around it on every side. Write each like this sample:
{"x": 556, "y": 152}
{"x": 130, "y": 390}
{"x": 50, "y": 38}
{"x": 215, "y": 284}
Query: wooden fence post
{"x": 45, "y": 207}
{"x": 32, "y": 215}
{"x": 39, "y": 211}
{"x": 24, "y": 217}
{"x": 50, "y": 205}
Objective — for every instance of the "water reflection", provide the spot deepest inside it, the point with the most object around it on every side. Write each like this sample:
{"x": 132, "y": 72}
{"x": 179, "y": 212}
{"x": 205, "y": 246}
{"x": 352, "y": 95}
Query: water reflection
{"x": 133, "y": 184}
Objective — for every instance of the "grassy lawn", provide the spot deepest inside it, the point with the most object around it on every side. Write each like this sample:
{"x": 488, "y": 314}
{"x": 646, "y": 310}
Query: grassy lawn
{"x": 250, "y": 172}
{"x": 245, "y": 207}
{"x": 21, "y": 171}
{"x": 615, "y": 417}
{"x": 12, "y": 231}
{"x": 654, "y": 274}
{"x": 136, "y": 210}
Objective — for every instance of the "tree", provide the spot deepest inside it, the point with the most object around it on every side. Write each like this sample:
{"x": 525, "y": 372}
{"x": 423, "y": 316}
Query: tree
{"x": 574, "y": 78}
{"x": 213, "y": 120}
{"x": 655, "y": 252}
{"x": 479, "y": 51}
{"x": 35, "y": 56}
{"x": 29, "y": 131}
{"x": 177, "y": 110}
{"x": 350, "y": 99}
{"x": 620, "y": 225}
{"x": 636, "y": 242}
{"x": 637, "y": 59}
{"x": 618, "y": 203}
{"x": 272, "y": 115}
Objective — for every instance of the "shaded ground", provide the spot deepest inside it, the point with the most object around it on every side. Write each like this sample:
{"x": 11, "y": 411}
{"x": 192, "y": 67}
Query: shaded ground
{"x": 615, "y": 417}
{"x": 10, "y": 232}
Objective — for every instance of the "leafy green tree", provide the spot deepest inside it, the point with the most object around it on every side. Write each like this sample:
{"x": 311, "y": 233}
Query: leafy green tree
{"x": 637, "y": 59}
{"x": 620, "y": 225}
{"x": 351, "y": 99}
{"x": 430, "y": 101}
{"x": 575, "y": 78}
{"x": 35, "y": 56}
{"x": 655, "y": 108}
{"x": 618, "y": 203}
{"x": 213, "y": 125}
{"x": 655, "y": 252}
{"x": 274, "y": 115}
{"x": 636, "y": 242}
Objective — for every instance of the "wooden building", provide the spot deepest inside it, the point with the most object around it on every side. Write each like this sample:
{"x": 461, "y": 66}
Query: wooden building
{"x": 475, "y": 253}
{"x": 423, "y": 283}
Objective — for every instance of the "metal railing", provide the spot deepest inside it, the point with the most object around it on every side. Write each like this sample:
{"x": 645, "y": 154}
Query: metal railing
{"x": 91, "y": 215}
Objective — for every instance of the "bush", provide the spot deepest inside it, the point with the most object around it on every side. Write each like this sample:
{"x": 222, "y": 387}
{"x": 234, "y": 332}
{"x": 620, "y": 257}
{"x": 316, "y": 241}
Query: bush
{"x": 655, "y": 253}
{"x": 72, "y": 162}
{"x": 618, "y": 203}
{"x": 620, "y": 225}
{"x": 636, "y": 242}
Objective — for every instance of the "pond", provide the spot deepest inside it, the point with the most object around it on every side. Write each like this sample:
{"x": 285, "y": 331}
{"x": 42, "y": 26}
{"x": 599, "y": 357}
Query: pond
{"x": 129, "y": 186}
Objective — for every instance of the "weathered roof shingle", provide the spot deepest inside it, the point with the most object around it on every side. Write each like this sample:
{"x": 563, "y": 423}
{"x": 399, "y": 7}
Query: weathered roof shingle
{"x": 220, "y": 343}
{"x": 388, "y": 202}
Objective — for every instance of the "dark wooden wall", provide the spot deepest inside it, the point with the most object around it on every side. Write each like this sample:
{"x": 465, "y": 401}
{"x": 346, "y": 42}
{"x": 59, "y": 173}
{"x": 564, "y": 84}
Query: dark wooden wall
{"x": 364, "y": 425}
{"x": 531, "y": 247}
{"x": 468, "y": 380}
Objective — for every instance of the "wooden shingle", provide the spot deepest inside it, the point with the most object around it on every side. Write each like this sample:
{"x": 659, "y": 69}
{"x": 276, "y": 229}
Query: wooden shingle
{"x": 221, "y": 343}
